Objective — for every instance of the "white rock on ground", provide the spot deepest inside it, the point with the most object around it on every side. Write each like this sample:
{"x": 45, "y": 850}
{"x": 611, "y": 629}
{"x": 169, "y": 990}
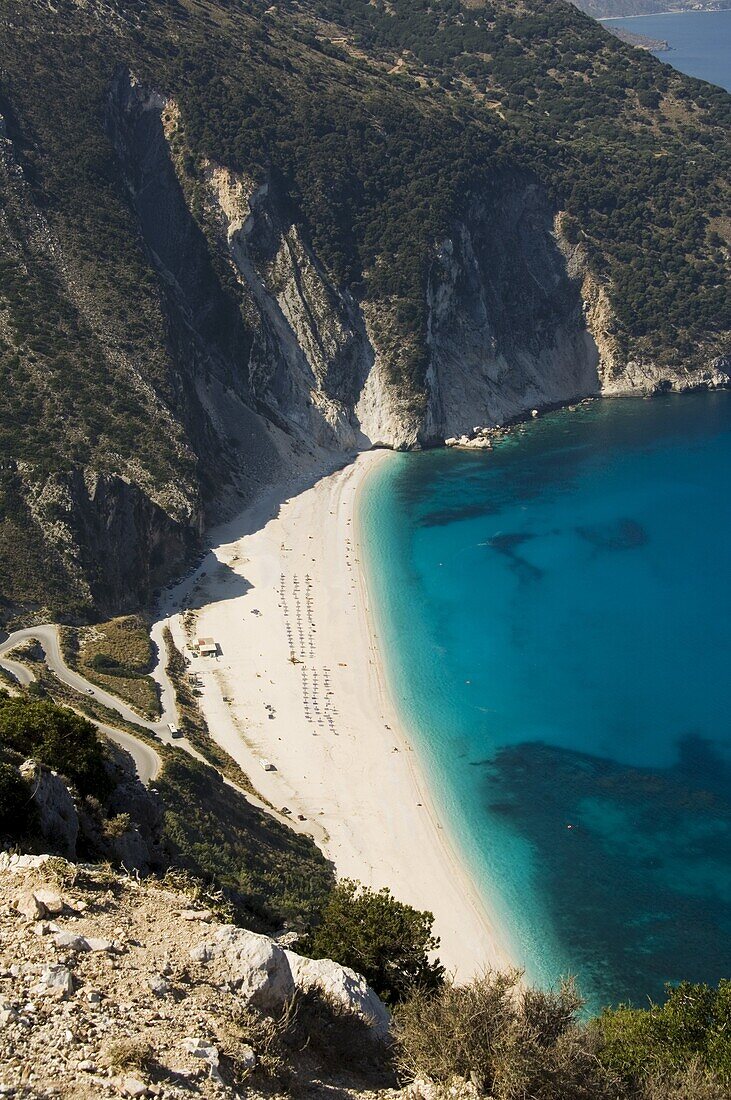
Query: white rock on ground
{"x": 254, "y": 965}
{"x": 267, "y": 975}
{"x": 58, "y": 819}
{"x": 343, "y": 985}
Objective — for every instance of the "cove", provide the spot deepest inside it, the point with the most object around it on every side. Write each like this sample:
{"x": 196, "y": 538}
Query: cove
{"x": 554, "y": 618}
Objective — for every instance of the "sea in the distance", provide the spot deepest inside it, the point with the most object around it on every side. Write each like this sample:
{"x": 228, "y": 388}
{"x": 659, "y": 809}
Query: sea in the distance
{"x": 700, "y": 40}
{"x": 555, "y": 620}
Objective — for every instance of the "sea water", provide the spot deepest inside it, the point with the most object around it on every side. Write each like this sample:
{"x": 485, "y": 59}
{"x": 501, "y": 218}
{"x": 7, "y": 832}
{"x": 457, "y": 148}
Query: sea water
{"x": 555, "y": 621}
{"x": 700, "y": 41}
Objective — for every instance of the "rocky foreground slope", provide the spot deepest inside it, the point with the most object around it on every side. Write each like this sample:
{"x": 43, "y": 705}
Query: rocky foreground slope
{"x": 115, "y": 987}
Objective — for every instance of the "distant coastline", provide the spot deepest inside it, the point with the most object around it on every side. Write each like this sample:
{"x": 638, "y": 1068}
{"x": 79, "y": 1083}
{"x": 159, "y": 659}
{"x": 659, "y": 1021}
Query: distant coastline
{"x": 653, "y": 14}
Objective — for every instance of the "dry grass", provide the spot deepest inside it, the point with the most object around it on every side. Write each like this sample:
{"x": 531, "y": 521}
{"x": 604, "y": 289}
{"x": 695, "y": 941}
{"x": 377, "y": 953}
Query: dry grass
{"x": 129, "y": 1052}
{"x": 118, "y": 656}
{"x": 509, "y": 1042}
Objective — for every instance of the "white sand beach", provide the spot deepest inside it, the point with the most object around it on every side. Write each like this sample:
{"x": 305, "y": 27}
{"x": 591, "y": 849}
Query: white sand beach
{"x": 298, "y": 682}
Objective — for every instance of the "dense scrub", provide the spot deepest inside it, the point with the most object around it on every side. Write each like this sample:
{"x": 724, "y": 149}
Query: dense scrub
{"x": 272, "y": 876}
{"x": 57, "y": 737}
{"x": 268, "y": 876}
{"x": 514, "y": 1042}
{"x": 390, "y": 943}
{"x": 375, "y": 125}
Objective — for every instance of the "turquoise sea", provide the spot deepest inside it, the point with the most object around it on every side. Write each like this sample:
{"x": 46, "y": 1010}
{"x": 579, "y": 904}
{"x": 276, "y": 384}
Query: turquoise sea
{"x": 555, "y": 617}
{"x": 700, "y": 40}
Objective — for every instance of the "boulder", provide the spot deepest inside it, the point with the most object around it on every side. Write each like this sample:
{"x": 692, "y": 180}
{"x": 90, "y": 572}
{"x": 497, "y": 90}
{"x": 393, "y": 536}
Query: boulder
{"x": 50, "y": 900}
{"x": 58, "y": 820}
{"x": 341, "y": 984}
{"x": 254, "y": 965}
{"x": 29, "y": 907}
{"x": 56, "y": 979}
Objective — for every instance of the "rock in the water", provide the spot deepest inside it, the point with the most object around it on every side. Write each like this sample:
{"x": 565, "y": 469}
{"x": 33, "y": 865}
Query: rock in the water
{"x": 254, "y": 965}
{"x": 343, "y": 985}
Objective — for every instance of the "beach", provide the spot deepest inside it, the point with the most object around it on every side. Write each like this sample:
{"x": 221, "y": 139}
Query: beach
{"x": 297, "y": 682}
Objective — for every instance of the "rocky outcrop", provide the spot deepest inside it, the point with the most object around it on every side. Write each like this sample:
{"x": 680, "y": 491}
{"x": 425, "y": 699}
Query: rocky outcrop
{"x": 618, "y": 375}
{"x": 342, "y": 985}
{"x": 267, "y": 975}
{"x": 56, "y": 816}
{"x": 505, "y": 331}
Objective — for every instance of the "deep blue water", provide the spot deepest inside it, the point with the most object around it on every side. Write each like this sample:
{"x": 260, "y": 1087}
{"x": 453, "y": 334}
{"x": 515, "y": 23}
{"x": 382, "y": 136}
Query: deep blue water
{"x": 556, "y": 622}
{"x": 701, "y": 41}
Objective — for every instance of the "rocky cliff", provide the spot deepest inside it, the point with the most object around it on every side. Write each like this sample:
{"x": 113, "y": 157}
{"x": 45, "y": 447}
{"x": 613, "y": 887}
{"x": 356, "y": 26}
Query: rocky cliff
{"x": 225, "y": 265}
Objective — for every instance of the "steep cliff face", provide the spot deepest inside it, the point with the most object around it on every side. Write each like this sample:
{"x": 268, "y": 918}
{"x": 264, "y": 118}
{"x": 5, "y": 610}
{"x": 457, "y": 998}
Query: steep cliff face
{"x": 235, "y": 247}
{"x": 506, "y": 329}
{"x": 620, "y": 375}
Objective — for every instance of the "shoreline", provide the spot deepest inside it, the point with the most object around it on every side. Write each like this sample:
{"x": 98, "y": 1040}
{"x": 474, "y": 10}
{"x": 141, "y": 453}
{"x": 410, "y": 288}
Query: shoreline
{"x": 653, "y": 14}
{"x": 299, "y": 682}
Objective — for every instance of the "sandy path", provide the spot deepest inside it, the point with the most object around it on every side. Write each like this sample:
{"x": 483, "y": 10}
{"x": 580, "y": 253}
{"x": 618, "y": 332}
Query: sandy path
{"x": 297, "y": 683}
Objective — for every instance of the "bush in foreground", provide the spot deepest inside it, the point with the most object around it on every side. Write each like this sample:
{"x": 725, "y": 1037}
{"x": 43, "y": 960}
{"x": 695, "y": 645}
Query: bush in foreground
{"x": 509, "y": 1042}
{"x": 383, "y": 939}
{"x": 55, "y": 736}
{"x": 691, "y": 1029}
{"x": 514, "y": 1043}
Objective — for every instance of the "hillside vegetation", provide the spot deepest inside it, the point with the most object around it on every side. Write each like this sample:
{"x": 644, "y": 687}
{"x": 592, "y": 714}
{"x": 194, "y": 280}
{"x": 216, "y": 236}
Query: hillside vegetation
{"x": 142, "y": 371}
{"x": 160, "y": 973}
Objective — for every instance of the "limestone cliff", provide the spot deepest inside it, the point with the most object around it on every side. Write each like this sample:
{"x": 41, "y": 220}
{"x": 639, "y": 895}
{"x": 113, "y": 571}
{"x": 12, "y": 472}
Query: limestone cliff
{"x": 207, "y": 287}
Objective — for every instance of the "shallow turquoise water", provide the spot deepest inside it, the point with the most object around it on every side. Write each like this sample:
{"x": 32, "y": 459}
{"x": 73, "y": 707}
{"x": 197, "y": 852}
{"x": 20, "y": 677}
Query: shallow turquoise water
{"x": 700, "y": 40}
{"x": 556, "y": 622}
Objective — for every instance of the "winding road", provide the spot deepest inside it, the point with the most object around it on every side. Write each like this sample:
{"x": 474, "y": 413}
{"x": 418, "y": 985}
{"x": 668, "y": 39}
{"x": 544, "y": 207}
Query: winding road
{"x": 147, "y": 761}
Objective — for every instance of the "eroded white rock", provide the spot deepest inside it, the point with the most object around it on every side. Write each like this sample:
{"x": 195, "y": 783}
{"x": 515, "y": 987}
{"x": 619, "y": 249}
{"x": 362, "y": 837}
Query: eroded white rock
{"x": 343, "y": 985}
{"x": 254, "y": 965}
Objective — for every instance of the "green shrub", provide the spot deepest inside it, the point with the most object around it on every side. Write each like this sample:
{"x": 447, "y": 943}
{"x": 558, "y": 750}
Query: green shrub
{"x": 383, "y": 939}
{"x": 55, "y": 736}
{"x": 692, "y": 1027}
{"x": 271, "y": 875}
{"x": 511, "y": 1043}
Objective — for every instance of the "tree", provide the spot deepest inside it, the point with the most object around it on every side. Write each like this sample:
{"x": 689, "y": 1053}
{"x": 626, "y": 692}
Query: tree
{"x": 386, "y": 941}
{"x": 57, "y": 737}
{"x": 15, "y": 803}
